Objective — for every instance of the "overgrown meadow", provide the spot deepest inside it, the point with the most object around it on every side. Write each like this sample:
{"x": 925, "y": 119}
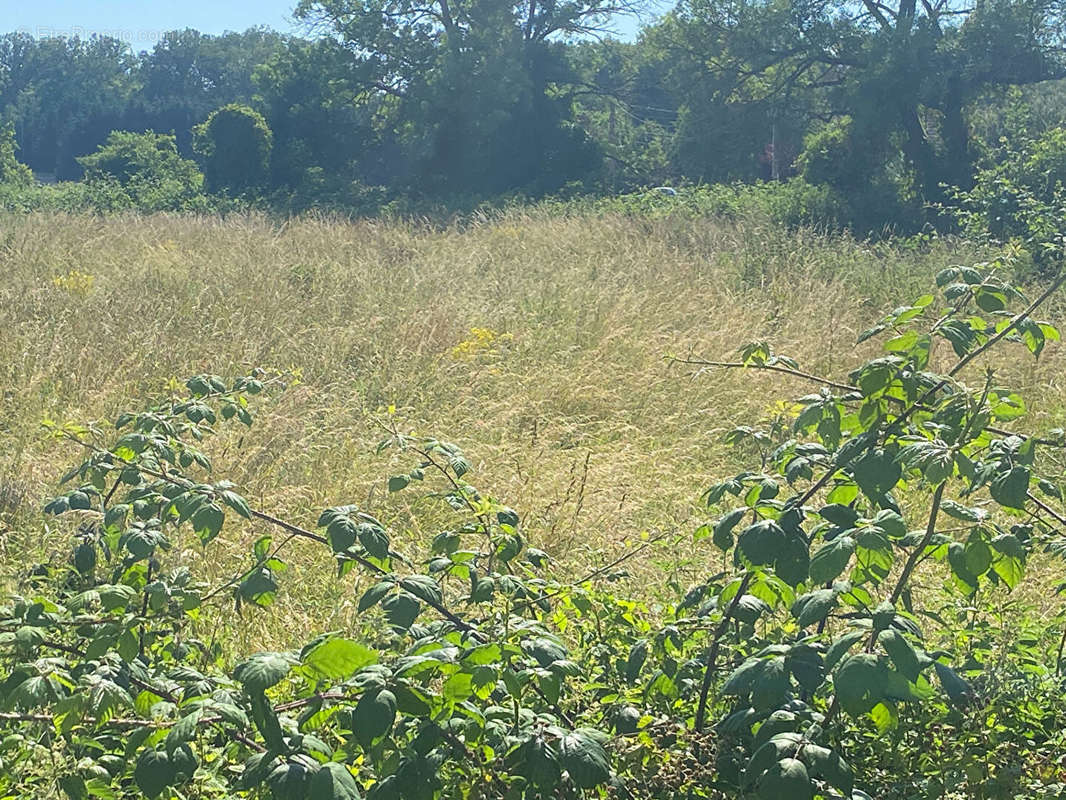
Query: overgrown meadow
{"x": 388, "y": 509}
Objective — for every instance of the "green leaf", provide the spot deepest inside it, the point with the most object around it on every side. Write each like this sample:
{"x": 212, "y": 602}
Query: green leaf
{"x": 877, "y": 472}
{"x": 32, "y": 693}
{"x": 859, "y": 683}
{"x": 792, "y": 561}
{"x": 374, "y": 594}
{"x": 787, "y": 779}
{"x": 424, "y": 588}
{"x": 771, "y": 687}
{"x": 874, "y": 376}
{"x": 183, "y": 731}
{"x": 398, "y": 483}
{"x": 374, "y": 539}
{"x": 1009, "y": 564}
{"x": 262, "y": 671}
{"x": 807, "y": 666}
{"x": 902, "y": 343}
{"x": 237, "y": 503}
{"x": 901, "y": 652}
{"x": 339, "y": 658}
{"x": 290, "y": 780}
{"x": 840, "y": 647}
{"x": 977, "y": 555}
{"x": 374, "y": 715}
{"x": 483, "y": 654}
{"x": 723, "y": 529}
{"x": 638, "y": 654}
{"x": 401, "y": 610}
{"x": 345, "y": 524}
{"x": 959, "y": 568}
{"x": 73, "y": 787}
{"x": 840, "y": 515}
{"x": 743, "y": 678}
{"x": 832, "y": 559}
{"x": 873, "y": 556}
{"x": 760, "y": 544}
{"x": 59, "y": 505}
{"x": 582, "y": 755}
{"x": 990, "y": 300}
{"x": 826, "y": 765}
{"x": 153, "y": 772}
{"x": 207, "y": 522}
{"x": 959, "y": 511}
{"x": 460, "y": 686}
{"x": 546, "y": 651}
{"x": 885, "y": 716}
{"x": 1010, "y": 489}
{"x": 749, "y": 608}
{"x": 958, "y": 690}
{"x": 814, "y": 606}
{"x": 334, "y": 782}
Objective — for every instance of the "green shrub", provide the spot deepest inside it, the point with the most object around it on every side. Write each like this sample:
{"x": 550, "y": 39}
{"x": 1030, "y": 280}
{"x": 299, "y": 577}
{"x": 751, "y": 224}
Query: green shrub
{"x": 148, "y": 169}
{"x": 1020, "y": 195}
{"x": 235, "y": 145}
{"x": 791, "y": 203}
{"x": 831, "y": 156}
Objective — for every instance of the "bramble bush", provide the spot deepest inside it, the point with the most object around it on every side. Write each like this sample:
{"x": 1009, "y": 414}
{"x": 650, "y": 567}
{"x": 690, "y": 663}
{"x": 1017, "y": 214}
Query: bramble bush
{"x": 843, "y": 640}
{"x": 1020, "y": 196}
{"x": 149, "y": 170}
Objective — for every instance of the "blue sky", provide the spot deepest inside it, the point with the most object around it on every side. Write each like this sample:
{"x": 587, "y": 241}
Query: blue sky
{"x": 140, "y": 22}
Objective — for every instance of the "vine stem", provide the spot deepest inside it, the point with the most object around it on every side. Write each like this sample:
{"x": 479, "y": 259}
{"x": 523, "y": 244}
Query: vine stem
{"x": 797, "y": 373}
{"x": 712, "y": 653}
{"x": 844, "y": 387}
{"x": 916, "y": 553}
{"x": 1014, "y": 323}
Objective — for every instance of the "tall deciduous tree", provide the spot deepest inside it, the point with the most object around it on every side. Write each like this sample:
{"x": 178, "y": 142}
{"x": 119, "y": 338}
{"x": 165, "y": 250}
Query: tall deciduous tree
{"x": 905, "y": 71}
{"x": 475, "y": 83}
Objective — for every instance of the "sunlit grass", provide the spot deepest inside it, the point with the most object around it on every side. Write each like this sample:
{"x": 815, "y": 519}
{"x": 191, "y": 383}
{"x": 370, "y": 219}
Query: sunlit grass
{"x": 536, "y": 342}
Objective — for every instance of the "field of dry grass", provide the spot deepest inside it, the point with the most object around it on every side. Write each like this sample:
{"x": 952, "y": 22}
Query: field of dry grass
{"x": 537, "y": 343}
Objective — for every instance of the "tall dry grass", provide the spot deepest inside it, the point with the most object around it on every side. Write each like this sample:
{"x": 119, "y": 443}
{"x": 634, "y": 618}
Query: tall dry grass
{"x": 535, "y": 342}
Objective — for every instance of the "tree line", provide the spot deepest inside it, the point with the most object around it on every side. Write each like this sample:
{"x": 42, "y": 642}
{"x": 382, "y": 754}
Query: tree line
{"x": 894, "y": 107}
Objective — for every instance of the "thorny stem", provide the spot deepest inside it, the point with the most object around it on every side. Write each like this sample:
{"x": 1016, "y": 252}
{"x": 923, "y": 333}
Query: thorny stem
{"x": 898, "y": 422}
{"x": 1046, "y": 508}
{"x": 712, "y": 653}
{"x": 916, "y": 553}
{"x": 237, "y": 578}
{"x": 1059, "y": 656}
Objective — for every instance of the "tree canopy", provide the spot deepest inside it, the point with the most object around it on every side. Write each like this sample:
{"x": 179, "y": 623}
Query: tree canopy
{"x": 892, "y": 107}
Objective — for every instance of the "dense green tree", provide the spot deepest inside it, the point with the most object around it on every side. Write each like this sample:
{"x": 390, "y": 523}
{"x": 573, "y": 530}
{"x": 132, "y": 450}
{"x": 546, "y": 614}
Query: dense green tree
{"x": 235, "y": 144}
{"x": 882, "y": 105}
{"x": 187, "y": 75}
{"x": 12, "y": 171}
{"x": 905, "y": 72}
{"x": 64, "y": 96}
{"x": 325, "y": 130}
{"x": 479, "y": 87}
